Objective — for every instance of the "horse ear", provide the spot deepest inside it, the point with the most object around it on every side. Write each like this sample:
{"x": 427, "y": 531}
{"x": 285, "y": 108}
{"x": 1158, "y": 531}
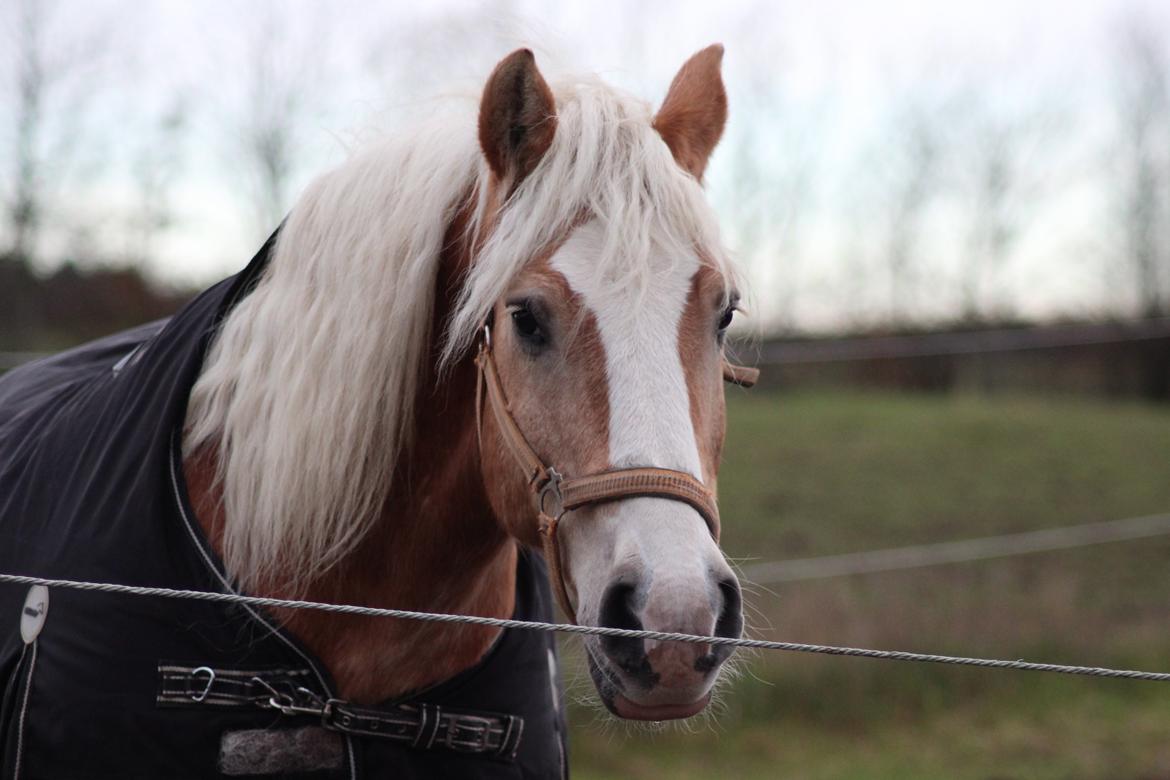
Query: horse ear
{"x": 517, "y": 118}
{"x": 692, "y": 116}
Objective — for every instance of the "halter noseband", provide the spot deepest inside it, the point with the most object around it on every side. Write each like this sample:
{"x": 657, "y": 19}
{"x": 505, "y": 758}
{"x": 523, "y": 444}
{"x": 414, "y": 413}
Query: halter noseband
{"x": 555, "y": 495}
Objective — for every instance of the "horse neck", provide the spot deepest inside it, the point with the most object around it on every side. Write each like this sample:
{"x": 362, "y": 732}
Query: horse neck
{"x": 436, "y": 547}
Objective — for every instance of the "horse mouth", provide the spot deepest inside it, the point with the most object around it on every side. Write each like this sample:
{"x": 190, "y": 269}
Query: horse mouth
{"x": 610, "y": 689}
{"x": 624, "y": 708}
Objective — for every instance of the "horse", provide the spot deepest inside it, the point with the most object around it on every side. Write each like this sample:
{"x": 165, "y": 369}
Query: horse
{"x": 480, "y": 363}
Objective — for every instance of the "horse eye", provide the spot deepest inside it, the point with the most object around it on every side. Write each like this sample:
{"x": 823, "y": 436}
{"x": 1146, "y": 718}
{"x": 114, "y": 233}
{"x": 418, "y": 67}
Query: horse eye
{"x": 526, "y": 324}
{"x": 725, "y": 320}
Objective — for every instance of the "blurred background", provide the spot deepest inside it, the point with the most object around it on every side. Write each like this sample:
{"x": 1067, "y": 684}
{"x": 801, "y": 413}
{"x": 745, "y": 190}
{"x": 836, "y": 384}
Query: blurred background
{"x": 955, "y": 223}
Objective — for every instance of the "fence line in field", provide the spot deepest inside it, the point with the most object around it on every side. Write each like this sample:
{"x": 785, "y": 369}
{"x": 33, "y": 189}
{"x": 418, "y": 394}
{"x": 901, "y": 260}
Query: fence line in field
{"x": 660, "y": 636}
{"x": 926, "y": 345}
{"x": 922, "y": 555}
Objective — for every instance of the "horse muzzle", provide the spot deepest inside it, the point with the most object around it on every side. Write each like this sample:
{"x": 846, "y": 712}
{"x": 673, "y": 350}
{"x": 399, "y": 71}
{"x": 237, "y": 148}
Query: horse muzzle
{"x": 646, "y": 679}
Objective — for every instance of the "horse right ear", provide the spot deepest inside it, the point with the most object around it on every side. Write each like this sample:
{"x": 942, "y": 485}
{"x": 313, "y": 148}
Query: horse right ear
{"x": 692, "y": 117}
{"x": 517, "y": 118}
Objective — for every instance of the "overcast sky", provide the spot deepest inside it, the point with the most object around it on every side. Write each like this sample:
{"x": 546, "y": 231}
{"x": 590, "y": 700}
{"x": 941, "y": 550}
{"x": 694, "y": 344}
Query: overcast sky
{"x": 820, "y": 97}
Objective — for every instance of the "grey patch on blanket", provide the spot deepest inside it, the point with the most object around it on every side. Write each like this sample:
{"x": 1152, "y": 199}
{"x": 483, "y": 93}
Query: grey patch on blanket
{"x": 279, "y": 751}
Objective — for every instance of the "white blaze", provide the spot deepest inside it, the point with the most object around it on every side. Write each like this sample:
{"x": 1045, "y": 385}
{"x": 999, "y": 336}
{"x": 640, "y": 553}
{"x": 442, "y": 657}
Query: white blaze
{"x": 649, "y": 403}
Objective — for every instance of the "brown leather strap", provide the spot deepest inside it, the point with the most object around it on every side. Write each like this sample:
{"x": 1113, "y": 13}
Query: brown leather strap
{"x": 556, "y": 570}
{"x": 744, "y": 376}
{"x": 628, "y": 483}
{"x": 530, "y": 463}
{"x": 560, "y": 496}
{"x": 556, "y": 495}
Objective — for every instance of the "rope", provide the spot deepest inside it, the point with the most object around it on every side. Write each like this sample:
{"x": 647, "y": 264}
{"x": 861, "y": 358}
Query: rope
{"x": 917, "y": 556}
{"x": 621, "y": 633}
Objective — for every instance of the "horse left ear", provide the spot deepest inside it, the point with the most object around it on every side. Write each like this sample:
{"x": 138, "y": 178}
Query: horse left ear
{"x": 692, "y": 116}
{"x": 517, "y": 118}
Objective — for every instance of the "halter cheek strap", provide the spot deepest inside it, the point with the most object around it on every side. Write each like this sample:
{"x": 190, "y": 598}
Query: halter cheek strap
{"x": 555, "y": 495}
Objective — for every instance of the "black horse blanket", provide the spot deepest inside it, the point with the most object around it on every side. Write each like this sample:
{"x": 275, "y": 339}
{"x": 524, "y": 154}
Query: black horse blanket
{"x": 119, "y": 686}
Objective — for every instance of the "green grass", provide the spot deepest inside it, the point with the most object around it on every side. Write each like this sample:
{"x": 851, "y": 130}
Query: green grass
{"x": 806, "y": 475}
{"x": 809, "y": 475}
{"x": 1040, "y": 731}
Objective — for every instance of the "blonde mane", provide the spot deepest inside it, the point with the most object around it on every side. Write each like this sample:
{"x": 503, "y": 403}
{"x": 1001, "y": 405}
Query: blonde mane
{"x": 307, "y": 393}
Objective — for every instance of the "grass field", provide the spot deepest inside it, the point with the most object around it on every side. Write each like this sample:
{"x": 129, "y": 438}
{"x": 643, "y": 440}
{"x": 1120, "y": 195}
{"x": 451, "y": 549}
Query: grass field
{"x": 809, "y": 475}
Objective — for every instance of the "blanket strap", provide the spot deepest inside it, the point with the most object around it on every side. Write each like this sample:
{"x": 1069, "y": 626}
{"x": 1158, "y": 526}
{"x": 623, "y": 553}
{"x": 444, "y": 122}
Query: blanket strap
{"x": 414, "y": 724}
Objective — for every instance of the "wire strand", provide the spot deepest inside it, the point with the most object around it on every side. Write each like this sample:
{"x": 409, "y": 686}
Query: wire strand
{"x": 963, "y": 551}
{"x": 622, "y": 633}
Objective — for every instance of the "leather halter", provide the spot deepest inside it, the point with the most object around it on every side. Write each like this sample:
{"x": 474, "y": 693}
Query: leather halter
{"x": 555, "y": 495}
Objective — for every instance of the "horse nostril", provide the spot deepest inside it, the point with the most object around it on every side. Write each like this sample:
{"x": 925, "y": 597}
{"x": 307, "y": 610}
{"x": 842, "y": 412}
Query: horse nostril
{"x": 730, "y": 621}
{"x": 729, "y": 624}
{"x": 617, "y": 611}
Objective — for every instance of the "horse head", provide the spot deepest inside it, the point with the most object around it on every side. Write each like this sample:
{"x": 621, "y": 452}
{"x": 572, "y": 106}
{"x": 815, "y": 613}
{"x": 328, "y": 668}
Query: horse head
{"x": 603, "y": 365}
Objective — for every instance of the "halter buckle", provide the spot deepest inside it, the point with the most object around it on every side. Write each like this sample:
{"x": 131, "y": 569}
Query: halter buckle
{"x": 551, "y": 489}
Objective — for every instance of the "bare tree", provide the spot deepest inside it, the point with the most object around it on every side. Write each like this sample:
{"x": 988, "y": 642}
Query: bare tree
{"x": 53, "y": 86}
{"x": 275, "y": 101}
{"x": 954, "y": 159}
{"x": 25, "y": 206}
{"x": 993, "y": 226}
{"x": 1003, "y": 182}
{"x": 1143, "y": 180}
{"x": 283, "y": 75}
{"x": 915, "y": 183}
{"x": 768, "y": 199}
{"x": 154, "y": 168}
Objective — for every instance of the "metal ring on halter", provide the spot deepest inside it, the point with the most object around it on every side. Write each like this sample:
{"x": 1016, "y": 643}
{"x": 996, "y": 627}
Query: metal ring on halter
{"x": 552, "y": 488}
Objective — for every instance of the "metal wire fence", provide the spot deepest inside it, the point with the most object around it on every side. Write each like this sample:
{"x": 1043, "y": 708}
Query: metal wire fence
{"x": 784, "y": 571}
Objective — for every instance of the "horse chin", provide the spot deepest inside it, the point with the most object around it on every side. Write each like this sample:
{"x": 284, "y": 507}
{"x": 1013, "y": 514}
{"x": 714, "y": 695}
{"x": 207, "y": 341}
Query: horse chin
{"x": 624, "y": 708}
{"x": 609, "y": 690}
